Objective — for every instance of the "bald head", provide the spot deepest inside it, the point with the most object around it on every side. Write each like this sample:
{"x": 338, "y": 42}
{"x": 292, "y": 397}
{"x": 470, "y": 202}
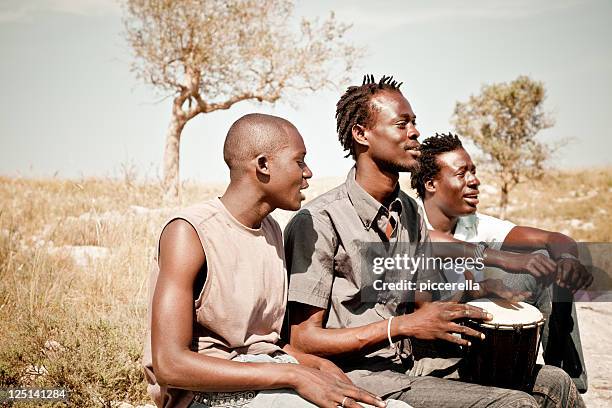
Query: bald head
{"x": 253, "y": 135}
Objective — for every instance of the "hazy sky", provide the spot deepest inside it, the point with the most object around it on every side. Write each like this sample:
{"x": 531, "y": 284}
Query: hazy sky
{"x": 71, "y": 106}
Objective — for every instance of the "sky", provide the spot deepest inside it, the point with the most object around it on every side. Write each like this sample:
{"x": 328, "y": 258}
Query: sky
{"x": 71, "y": 107}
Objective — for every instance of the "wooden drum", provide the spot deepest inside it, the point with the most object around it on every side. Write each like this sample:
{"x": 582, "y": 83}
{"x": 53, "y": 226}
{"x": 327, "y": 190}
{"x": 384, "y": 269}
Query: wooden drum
{"x": 507, "y": 356}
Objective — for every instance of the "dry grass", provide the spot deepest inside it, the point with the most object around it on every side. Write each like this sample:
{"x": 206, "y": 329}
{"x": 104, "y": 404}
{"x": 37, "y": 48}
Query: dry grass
{"x": 74, "y": 261}
{"x": 82, "y": 317}
{"x": 576, "y": 203}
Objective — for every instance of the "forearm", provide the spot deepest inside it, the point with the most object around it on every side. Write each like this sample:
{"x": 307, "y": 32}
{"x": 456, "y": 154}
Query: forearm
{"x": 336, "y": 342}
{"x": 454, "y": 248}
{"x": 500, "y": 259}
{"x": 559, "y": 244}
{"x": 303, "y": 358}
{"x": 197, "y": 372}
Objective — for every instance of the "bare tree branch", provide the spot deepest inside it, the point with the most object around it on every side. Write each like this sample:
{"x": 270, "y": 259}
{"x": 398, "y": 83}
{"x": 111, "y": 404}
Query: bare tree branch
{"x": 211, "y": 54}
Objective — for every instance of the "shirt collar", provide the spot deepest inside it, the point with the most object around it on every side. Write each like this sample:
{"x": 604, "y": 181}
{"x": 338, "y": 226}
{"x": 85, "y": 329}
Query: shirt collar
{"x": 368, "y": 209}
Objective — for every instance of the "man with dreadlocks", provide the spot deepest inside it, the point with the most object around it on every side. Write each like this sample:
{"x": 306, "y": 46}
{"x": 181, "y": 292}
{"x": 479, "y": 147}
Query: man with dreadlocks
{"x": 448, "y": 188}
{"x": 331, "y": 311}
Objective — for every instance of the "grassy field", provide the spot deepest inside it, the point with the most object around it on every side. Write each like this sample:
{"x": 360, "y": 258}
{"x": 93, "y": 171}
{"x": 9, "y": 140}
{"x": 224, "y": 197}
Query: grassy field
{"x": 75, "y": 256}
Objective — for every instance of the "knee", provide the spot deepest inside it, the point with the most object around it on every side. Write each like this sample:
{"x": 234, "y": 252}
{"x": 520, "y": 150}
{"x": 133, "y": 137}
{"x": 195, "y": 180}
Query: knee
{"x": 518, "y": 399}
{"x": 554, "y": 384}
{"x": 549, "y": 375}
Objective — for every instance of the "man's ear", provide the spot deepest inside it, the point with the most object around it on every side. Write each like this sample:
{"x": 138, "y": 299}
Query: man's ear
{"x": 262, "y": 165}
{"x": 430, "y": 186}
{"x": 359, "y": 135}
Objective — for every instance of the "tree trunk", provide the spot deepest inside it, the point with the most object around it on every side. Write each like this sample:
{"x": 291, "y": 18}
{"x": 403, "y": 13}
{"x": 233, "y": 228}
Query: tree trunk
{"x": 171, "y": 158}
{"x": 503, "y": 202}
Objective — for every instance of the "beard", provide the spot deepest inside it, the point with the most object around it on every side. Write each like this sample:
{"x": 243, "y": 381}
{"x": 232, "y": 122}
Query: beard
{"x": 396, "y": 166}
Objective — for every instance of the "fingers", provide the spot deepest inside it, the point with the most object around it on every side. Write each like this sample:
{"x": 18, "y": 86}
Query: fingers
{"x": 548, "y": 263}
{"x": 356, "y": 394}
{"x": 573, "y": 275}
{"x": 499, "y": 289}
{"x": 510, "y": 295}
{"x": 540, "y": 266}
{"x": 455, "y": 339}
{"x": 349, "y": 403}
{"x": 544, "y": 265}
{"x": 467, "y": 331}
{"x": 584, "y": 280}
{"x": 468, "y": 311}
{"x": 563, "y": 273}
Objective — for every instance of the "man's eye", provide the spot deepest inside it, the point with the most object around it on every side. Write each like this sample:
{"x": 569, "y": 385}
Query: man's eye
{"x": 405, "y": 123}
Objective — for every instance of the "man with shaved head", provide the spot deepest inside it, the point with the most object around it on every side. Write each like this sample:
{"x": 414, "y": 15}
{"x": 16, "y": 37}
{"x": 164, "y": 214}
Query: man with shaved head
{"x": 218, "y": 289}
{"x": 252, "y": 134}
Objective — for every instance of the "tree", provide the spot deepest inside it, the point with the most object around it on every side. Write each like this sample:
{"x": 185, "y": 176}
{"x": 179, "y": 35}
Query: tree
{"x": 503, "y": 121}
{"x": 210, "y": 54}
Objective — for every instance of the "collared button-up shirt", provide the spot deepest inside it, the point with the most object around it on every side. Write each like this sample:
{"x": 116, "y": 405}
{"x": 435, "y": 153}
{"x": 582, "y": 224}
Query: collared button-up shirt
{"x": 326, "y": 245}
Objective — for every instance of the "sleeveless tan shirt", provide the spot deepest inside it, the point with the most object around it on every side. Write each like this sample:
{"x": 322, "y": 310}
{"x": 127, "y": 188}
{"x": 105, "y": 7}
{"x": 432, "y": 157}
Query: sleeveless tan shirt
{"x": 241, "y": 306}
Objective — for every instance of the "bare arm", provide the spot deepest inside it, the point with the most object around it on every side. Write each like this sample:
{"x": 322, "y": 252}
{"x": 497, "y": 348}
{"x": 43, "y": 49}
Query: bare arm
{"x": 529, "y": 239}
{"x": 570, "y": 273}
{"x": 431, "y": 321}
{"x": 176, "y": 365}
{"x": 534, "y": 264}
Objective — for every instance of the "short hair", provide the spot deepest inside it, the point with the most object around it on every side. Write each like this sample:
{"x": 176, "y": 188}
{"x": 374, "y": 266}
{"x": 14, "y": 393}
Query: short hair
{"x": 428, "y": 167}
{"x": 254, "y": 134}
{"x": 355, "y": 108}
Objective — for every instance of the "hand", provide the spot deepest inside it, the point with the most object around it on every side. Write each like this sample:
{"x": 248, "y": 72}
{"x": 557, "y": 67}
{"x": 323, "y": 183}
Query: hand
{"x": 323, "y": 364}
{"x": 434, "y": 321}
{"x": 571, "y": 274}
{"x": 326, "y": 390}
{"x": 495, "y": 288}
{"x": 538, "y": 265}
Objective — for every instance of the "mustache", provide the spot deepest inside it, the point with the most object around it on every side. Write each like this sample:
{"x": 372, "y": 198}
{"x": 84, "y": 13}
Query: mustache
{"x": 409, "y": 147}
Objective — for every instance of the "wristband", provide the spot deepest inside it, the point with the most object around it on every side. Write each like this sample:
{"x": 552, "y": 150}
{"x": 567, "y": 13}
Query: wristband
{"x": 567, "y": 255}
{"x": 479, "y": 251}
{"x": 391, "y": 344}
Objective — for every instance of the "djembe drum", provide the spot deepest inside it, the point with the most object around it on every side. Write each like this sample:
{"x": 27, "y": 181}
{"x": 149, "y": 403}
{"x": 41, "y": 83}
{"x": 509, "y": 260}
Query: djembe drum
{"x": 507, "y": 356}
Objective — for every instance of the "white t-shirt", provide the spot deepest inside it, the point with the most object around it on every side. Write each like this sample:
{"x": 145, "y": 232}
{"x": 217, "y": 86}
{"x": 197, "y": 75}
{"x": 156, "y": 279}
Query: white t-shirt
{"x": 477, "y": 228}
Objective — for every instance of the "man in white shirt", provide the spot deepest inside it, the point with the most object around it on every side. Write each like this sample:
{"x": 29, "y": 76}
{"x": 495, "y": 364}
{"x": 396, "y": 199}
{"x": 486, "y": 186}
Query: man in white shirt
{"x": 447, "y": 185}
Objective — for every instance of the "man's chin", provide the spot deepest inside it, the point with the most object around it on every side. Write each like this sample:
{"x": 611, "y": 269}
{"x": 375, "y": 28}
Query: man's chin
{"x": 398, "y": 167}
{"x": 291, "y": 206}
{"x": 469, "y": 209}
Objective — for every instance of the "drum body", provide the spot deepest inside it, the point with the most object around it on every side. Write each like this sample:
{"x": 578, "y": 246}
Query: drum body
{"x": 507, "y": 356}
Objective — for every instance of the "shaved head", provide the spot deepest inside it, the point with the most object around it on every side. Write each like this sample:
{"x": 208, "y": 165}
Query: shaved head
{"x": 253, "y": 135}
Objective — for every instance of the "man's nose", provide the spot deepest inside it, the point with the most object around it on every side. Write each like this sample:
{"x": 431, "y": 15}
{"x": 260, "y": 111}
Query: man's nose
{"x": 473, "y": 180}
{"x": 306, "y": 173}
{"x": 413, "y": 132}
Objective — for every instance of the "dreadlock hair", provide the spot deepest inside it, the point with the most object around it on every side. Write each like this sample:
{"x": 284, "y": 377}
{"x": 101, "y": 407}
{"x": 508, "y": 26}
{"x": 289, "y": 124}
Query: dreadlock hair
{"x": 354, "y": 107}
{"x": 428, "y": 168}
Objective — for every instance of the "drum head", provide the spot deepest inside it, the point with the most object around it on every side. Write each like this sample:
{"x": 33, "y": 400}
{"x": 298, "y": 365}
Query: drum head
{"x": 507, "y": 313}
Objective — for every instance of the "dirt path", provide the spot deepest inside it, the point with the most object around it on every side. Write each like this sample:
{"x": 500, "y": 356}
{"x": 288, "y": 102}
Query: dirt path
{"x": 595, "y": 321}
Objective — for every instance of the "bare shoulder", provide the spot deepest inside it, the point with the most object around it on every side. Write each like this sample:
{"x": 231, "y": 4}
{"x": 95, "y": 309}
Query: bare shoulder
{"x": 180, "y": 250}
